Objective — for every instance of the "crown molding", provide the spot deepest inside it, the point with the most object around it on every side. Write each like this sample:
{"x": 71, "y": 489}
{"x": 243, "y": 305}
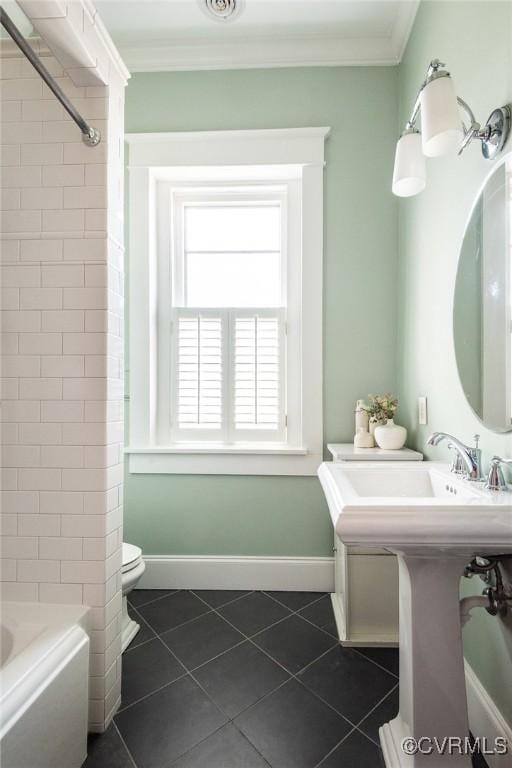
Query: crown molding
{"x": 403, "y": 27}
{"x": 258, "y": 54}
{"x": 273, "y": 50}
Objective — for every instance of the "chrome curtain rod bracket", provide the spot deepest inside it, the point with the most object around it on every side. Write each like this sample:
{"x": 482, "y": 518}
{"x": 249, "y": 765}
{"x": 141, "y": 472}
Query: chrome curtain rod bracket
{"x": 90, "y": 135}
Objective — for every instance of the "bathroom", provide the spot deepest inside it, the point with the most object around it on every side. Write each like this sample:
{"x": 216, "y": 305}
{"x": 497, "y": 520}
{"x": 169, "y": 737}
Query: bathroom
{"x": 264, "y": 609}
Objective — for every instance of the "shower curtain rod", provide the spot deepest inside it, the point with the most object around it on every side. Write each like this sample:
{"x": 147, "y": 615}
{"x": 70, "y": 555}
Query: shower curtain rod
{"x": 90, "y": 135}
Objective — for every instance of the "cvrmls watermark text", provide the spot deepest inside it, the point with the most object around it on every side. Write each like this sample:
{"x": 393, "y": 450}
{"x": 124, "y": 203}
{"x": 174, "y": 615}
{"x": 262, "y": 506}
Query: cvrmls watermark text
{"x": 454, "y": 745}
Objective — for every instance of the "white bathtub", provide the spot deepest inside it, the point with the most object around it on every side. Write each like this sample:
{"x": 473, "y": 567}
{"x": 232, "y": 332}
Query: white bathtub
{"x": 44, "y": 683}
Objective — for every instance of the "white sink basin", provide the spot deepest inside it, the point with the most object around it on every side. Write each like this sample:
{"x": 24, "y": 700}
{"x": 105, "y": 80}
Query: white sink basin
{"x": 420, "y": 508}
{"x": 435, "y": 523}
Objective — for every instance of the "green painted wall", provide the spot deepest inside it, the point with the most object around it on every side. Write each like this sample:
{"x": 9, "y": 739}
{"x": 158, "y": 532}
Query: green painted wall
{"x": 475, "y": 39}
{"x": 279, "y": 515}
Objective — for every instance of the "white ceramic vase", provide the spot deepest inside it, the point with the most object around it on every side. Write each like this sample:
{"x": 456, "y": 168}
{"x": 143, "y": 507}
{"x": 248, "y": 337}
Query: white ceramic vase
{"x": 373, "y": 426}
{"x": 390, "y": 436}
{"x": 363, "y": 439}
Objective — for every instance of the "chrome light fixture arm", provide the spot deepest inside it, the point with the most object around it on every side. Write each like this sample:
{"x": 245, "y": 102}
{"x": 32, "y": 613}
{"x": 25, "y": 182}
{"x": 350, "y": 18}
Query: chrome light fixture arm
{"x": 434, "y": 70}
{"x": 493, "y": 135}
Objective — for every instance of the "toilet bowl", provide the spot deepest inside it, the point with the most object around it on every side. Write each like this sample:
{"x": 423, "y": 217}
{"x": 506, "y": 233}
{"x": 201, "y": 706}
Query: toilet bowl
{"x": 132, "y": 569}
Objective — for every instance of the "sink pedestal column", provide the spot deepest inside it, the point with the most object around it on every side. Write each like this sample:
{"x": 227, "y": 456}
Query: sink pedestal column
{"x": 433, "y": 704}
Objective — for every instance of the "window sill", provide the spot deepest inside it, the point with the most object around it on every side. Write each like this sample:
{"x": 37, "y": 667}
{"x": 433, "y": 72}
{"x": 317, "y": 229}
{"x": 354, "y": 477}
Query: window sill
{"x": 223, "y": 459}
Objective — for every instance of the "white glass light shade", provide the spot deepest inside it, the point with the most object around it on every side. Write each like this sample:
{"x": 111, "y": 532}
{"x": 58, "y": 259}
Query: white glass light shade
{"x": 409, "y": 175}
{"x": 441, "y": 125}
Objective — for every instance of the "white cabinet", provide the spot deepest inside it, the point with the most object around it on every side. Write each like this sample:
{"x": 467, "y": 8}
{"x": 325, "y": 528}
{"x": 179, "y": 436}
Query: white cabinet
{"x": 365, "y": 597}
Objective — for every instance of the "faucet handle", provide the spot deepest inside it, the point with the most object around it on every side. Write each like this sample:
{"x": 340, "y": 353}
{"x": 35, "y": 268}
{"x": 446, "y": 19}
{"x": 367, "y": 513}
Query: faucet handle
{"x": 457, "y": 465}
{"x": 496, "y": 479}
{"x": 476, "y": 438}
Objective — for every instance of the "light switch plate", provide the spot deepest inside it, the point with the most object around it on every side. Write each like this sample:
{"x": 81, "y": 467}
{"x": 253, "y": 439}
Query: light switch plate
{"x": 422, "y": 410}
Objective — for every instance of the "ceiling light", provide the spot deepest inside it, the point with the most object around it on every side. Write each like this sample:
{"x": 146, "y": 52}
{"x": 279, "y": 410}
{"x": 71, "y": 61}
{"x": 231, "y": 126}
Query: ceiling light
{"x": 443, "y": 131}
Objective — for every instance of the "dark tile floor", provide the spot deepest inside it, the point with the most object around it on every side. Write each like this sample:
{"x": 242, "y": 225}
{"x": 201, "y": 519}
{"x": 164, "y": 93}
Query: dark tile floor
{"x": 219, "y": 679}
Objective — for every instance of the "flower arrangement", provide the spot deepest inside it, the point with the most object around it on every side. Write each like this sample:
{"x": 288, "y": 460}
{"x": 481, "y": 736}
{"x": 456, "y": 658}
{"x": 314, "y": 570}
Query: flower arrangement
{"x": 381, "y": 407}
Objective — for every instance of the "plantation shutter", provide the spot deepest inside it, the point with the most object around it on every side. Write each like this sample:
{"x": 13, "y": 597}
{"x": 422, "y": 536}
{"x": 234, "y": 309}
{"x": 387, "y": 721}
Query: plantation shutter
{"x": 229, "y": 374}
{"x": 258, "y": 371}
{"x": 199, "y": 366}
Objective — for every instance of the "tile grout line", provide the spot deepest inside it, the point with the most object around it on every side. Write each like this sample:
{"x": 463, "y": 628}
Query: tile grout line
{"x": 168, "y": 593}
{"x": 187, "y": 671}
{"x": 178, "y": 626}
{"x": 357, "y": 729}
{"x": 317, "y": 600}
{"x": 188, "y": 621}
{"x": 222, "y": 605}
{"x": 374, "y": 662}
{"x": 354, "y": 725}
{"x": 210, "y": 698}
{"x": 214, "y": 658}
{"x": 175, "y": 591}
{"x": 215, "y": 610}
{"x": 124, "y": 743}
{"x": 184, "y": 754}
{"x": 308, "y": 605}
{"x": 232, "y": 719}
{"x": 180, "y": 677}
{"x": 373, "y": 710}
{"x": 121, "y": 709}
{"x": 291, "y": 675}
{"x": 324, "y": 758}
{"x": 242, "y": 734}
{"x": 298, "y": 613}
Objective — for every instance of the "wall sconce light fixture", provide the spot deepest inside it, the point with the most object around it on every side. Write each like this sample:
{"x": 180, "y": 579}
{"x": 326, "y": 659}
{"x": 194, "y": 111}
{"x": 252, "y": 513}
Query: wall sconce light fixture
{"x": 442, "y": 131}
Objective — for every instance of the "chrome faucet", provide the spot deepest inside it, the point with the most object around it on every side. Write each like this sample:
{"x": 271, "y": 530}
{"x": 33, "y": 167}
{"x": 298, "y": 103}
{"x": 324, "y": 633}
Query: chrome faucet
{"x": 496, "y": 480}
{"x": 468, "y": 461}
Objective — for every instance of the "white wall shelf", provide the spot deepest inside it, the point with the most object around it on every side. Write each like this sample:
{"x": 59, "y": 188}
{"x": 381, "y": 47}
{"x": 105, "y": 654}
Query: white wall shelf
{"x": 347, "y": 452}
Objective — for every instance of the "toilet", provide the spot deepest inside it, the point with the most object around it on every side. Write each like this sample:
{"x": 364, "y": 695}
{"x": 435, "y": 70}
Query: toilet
{"x": 132, "y": 569}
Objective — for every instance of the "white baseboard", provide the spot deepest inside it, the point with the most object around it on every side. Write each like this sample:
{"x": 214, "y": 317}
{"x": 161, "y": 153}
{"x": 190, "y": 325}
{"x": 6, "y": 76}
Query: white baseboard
{"x": 308, "y": 574}
{"x": 486, "y": 720}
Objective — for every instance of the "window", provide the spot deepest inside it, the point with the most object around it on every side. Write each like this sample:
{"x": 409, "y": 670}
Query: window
{"x": 225, "y": 303}
{"x": 228, "y": 294}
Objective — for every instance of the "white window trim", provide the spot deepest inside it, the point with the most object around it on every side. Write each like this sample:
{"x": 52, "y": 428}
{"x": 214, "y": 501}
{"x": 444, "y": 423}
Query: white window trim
{"x": 154, "y": 157}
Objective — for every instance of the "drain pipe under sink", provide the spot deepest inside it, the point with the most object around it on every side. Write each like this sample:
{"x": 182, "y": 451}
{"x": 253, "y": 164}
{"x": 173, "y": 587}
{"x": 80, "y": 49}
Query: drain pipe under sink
{"x": 468, "y": 603}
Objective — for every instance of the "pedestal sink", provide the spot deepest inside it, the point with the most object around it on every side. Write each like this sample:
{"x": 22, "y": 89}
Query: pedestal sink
{"x": 435, "y": 523}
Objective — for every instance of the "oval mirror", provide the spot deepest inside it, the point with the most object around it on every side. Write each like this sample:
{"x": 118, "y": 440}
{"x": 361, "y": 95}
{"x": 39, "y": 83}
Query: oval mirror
{"x": 482, "y": 310}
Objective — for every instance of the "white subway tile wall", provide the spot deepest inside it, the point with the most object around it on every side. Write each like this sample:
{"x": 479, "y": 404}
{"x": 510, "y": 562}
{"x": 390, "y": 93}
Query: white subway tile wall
{"x": 62, "y": 325}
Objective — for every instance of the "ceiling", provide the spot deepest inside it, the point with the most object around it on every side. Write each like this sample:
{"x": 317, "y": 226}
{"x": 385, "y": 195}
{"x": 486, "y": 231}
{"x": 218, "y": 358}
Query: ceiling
{"x": 157, "y": 35}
